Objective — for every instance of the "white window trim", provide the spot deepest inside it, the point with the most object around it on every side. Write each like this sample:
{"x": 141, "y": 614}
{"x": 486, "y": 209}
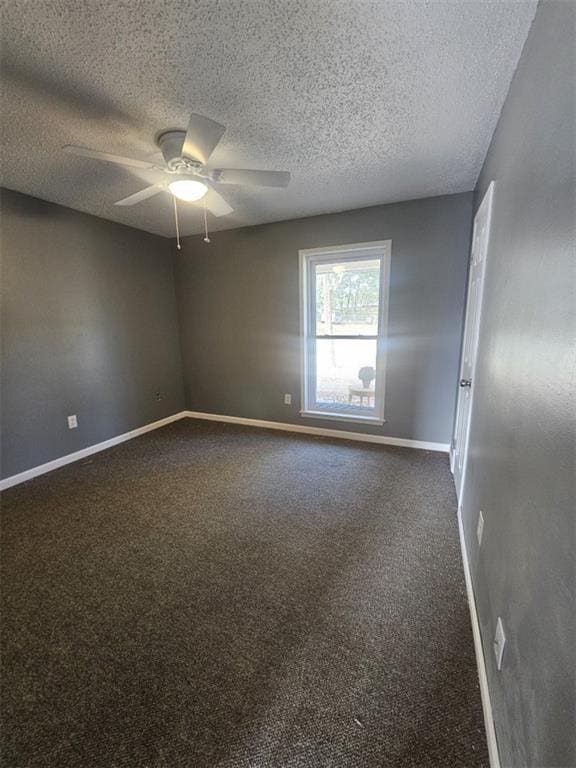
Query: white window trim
{"x": 382, "y": 248}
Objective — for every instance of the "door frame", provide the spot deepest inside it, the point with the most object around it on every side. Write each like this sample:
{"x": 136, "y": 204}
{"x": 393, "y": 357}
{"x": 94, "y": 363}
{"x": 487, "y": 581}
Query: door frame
{"x": 485, "y": 208}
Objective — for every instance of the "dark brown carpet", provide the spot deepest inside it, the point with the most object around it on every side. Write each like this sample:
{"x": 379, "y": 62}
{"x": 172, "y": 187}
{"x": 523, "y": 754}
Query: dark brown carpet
{"x": 213, "y": 596}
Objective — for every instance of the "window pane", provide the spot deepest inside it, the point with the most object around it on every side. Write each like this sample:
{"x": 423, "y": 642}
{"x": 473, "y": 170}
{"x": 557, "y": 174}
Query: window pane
{"x": 339, "y": 365}
{"x": 347, "y": 295}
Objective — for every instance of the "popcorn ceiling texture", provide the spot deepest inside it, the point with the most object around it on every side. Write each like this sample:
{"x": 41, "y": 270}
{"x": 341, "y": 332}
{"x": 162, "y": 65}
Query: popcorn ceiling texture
{"x": 364, "y": 102}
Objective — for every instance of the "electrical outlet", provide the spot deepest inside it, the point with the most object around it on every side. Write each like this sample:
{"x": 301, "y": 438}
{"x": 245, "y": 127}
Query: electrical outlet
{"x": 72, "y": 421}
{"x": 287, "y": 399}
{"x": 499, "y": 643}
{"x": 480, "y": 528}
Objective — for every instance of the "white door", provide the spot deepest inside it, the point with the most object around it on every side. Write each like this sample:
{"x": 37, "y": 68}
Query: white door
{"x": 480, "y": 238}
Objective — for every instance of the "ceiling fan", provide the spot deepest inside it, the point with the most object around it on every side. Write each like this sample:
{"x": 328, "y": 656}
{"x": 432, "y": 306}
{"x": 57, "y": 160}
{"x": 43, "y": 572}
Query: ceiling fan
{"x": 186, "y": 154}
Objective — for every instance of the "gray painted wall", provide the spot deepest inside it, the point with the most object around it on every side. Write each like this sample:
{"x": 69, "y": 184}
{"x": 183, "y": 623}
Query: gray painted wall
{"x": 523, "y": 422}
{"x": 89, "y": 326}
{"x": 239, "y": 314}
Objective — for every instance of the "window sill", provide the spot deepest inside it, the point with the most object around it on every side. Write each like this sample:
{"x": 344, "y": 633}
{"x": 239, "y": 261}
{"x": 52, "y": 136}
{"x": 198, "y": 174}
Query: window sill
{"x": 343, "y": 417}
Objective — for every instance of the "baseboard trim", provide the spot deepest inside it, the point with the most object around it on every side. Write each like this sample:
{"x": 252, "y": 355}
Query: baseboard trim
{"x": 321, "y": 431}
{"x": 28, "y": 474}
{"x": 493, "y": 753}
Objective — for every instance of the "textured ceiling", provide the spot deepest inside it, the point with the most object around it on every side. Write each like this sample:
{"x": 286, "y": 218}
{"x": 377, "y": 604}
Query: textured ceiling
{"x": 364, "y": 102}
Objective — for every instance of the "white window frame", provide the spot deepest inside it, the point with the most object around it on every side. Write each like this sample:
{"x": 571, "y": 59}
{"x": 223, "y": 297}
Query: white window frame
{"x": 380, "y": 249}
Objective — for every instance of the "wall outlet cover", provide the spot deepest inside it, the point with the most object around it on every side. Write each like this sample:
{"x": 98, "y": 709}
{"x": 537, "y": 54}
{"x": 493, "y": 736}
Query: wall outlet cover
{"x": 287, "y": 399}
{"x": 499, "y": 643}
{"x": 72, "y": 422}
{"x": 480, "y": 528}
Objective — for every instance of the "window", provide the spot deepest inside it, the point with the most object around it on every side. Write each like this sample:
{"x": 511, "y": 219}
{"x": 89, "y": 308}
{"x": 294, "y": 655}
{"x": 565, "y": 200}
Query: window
{"x": 344, "y": 305}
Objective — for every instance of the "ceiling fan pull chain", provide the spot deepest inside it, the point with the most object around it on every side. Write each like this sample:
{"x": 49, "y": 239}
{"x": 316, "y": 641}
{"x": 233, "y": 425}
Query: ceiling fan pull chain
{"x": 177, "y": 228}
{"x": 206, "y": 238}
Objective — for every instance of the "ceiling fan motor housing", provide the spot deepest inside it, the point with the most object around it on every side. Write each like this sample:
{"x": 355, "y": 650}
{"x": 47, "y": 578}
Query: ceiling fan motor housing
{"x": 171, "y": 144}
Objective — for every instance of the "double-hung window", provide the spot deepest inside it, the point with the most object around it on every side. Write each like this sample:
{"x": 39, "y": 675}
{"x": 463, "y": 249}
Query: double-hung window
{"x": 344, "y": 309}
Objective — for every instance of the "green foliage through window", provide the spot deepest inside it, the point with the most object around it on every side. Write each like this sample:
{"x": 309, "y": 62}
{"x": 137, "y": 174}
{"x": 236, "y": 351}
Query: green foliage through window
{"x": 347, "y": 297}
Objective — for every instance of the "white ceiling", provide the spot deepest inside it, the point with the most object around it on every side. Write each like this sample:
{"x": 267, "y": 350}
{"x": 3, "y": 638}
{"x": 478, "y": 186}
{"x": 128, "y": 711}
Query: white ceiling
{"x": 364, "y": 102}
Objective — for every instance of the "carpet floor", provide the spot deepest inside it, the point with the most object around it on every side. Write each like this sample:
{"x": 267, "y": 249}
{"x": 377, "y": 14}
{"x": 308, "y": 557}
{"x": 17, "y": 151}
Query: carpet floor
{"x": 216, "y": 596}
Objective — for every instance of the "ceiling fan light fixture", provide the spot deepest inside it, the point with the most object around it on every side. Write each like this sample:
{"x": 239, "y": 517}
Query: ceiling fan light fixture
{"x": 188, "y": 190}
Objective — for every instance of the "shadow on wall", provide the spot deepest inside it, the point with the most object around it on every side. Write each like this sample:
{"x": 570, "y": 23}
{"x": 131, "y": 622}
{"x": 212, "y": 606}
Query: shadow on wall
{"x": 34, "y": 208}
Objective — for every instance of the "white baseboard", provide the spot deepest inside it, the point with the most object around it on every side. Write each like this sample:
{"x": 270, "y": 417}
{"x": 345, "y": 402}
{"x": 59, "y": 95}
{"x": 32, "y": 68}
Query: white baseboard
{"x": 321, "y": 431}
{"x": 22, "y": 477}
{"x": 480, "y": 661}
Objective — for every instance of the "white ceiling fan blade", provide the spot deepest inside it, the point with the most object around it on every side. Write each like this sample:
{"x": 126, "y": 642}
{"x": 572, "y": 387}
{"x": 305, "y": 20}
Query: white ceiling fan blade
{"x": 202, "y": 137}
{"x": 106, "y": 156}
{"x": 137, "y": 197}
{"x": 255, "y": 178}
{"x": 215, "y": 203}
